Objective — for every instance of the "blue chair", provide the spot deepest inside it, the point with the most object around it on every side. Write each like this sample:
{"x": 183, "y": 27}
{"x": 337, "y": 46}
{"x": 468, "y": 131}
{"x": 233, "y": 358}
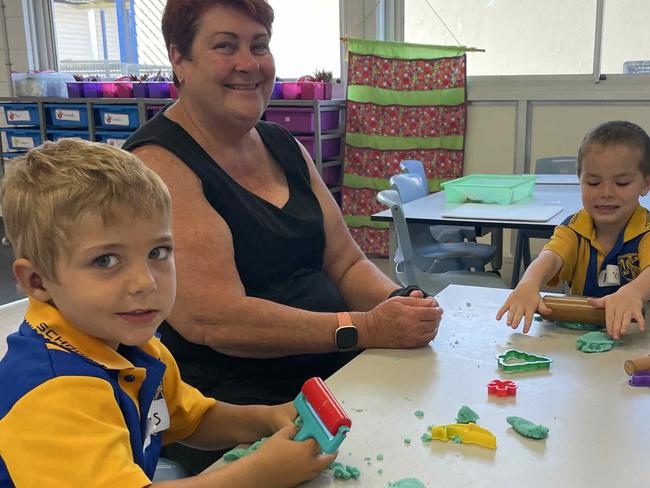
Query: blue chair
{"x": 437, "y": 256}
{"x": 442, "y": 233}
{"x": 556, "y": 165}
{"x": 410, "y": 272}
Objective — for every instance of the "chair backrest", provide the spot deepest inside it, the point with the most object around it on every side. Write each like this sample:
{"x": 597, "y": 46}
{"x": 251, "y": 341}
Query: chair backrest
{"x": 556, "y": 165}
{"x": 391, "y": 199}
{"x": 409, "y": 186}
{"x": 414, "y": 167}
{"x": 11, "y": 316}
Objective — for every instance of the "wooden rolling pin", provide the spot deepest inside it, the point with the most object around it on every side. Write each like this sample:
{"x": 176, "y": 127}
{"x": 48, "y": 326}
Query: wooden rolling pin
{"x": 633, "y": 366}
{"x": 573, "y": 309}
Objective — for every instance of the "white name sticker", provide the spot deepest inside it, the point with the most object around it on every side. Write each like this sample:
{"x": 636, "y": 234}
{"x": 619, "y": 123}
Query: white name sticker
{"x": 70, "y": 115}
{"x": 610, "y": 276}
{"x": 116, "y": 119}
{"x": 18, "y": 116}
{"x": 157, "y": 420}
{"x": 22, "y": 142}
{"x": 115, "y": 142}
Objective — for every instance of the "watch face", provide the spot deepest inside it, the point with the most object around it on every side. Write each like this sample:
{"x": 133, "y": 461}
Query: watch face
{"x": 346, "y": 337}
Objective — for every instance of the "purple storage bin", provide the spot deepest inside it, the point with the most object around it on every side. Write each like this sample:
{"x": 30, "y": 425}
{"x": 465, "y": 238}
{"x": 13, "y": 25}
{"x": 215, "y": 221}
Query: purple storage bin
{"x": 140, "y": 89}
{"x": 124, "y": 89}
{"x": 277, "y": 91}
{"x": 75, "y": 89}
{"x": 330, "y": 148}
{"x": 312, "y": 90}
{"x": 332, "y": 175}
{"x": 153, "y": 110}
{"x": 301, "y": 119}
{"x": 159, "y": 89}
{"x": 93, "y": 89}
{"x": 290, "y": 91}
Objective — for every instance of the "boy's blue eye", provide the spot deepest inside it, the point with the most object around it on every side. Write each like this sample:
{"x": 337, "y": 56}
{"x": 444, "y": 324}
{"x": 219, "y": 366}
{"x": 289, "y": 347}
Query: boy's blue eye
{"x": 105, "y": 261}
{"x": 162, "y": 252}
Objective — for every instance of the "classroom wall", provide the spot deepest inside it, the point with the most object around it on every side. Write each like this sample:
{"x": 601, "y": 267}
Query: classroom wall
{"x": 18, "y": 50}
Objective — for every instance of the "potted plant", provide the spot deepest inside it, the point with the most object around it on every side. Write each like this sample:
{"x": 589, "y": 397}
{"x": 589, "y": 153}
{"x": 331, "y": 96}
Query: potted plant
{"x": 316, "y": 86}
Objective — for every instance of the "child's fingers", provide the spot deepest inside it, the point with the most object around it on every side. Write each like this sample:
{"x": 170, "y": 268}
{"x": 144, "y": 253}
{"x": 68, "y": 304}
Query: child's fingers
{"x": 542, "y": 308}
{"x": 503, "y": 310}
{"x": 325, "y": 459}
{"x": 528, "y": 321}
{"x": 596, "y": 302}
{"x": 516, "y": 317}
{"x": 287, "y": 432}
{"x": 637, "y": 315}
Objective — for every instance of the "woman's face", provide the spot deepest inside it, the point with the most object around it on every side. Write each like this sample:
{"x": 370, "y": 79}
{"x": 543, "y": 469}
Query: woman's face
{"x": 231, "y": 69}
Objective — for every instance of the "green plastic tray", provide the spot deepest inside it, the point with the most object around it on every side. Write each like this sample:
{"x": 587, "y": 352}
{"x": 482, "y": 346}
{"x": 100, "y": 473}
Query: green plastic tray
{"x": 501, "y": 189}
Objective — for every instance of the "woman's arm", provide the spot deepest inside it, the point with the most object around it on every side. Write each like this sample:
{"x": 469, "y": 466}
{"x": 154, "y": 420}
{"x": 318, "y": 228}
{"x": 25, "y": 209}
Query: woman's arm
{"x": 361, "y": 283}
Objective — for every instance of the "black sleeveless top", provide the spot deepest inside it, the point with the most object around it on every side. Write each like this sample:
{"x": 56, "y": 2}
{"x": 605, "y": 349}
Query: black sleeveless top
{"x": 279, "y": 257}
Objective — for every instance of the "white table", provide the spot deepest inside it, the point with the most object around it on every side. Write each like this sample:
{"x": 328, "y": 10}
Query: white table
{"x": 599, "y": 430}
{"x": 429, "y": 210}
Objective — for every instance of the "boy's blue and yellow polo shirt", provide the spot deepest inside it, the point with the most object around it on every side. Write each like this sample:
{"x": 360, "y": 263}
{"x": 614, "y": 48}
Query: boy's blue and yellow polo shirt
{"x": 583, "y": 257}
{"x": 74, "y": 412}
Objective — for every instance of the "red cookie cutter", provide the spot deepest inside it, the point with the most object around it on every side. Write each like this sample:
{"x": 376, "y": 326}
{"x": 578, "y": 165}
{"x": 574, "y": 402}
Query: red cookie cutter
{"x": 502, "y": 388}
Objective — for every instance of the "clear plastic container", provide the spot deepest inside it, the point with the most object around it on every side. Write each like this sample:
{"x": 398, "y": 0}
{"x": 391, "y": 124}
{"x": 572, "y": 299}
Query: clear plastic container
{"x": 500, "y": 189}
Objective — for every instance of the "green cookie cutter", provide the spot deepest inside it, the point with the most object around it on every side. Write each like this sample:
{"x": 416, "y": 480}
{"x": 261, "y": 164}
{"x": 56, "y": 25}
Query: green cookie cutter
{"x": 528, "y": 362}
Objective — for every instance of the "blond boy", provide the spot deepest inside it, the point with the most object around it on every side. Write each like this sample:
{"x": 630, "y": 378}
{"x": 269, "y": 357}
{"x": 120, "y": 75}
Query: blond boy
{"x": 602, "y": 251}
{"x": 89, "y": 395}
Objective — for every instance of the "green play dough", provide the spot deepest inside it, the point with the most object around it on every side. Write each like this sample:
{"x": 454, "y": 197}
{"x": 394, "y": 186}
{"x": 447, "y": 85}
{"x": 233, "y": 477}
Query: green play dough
{"x": 419, "y": 414}
{"x": 596, "y": 342}
{"x": 235, "y": 454}
{"x": 407, "y": 483}
{"x": 571, "y": 325}
{"x": 466, "y": 415}
{"x": 527, "y": 428}
{"x": 344, "y": 472}
{"x": 426, "y": 437}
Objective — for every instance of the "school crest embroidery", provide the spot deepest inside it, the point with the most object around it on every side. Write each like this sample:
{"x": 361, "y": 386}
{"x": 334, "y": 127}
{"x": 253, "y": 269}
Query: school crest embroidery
{"x": 629, "y": 266}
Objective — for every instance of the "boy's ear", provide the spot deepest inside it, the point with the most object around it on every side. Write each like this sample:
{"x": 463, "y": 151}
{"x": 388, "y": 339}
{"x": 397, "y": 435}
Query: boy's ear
{"x": 30, "y": 280}
{"x": 646, "y": 185}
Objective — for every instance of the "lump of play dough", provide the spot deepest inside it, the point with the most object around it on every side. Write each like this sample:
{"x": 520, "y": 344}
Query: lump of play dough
{"x": 466, "y": 415}
{"x": 235, "y": 454}
{"x": 426, "y": 437}
{"x": 344, "y": 472}
{"x": 570, "y": 325}
{"x": 596, "y": 342}
{"x": 527, "y": 428}
{"x": 419, "y": 414}
{"x": 407, "y": 483}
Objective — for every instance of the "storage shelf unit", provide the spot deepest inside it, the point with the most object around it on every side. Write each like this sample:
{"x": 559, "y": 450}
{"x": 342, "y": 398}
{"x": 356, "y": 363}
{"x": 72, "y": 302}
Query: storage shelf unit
{"x": 111, "y": 120}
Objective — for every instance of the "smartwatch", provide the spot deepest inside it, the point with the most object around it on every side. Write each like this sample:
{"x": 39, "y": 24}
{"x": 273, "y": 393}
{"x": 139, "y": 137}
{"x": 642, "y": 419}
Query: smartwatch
{"x": 346, "y": 336}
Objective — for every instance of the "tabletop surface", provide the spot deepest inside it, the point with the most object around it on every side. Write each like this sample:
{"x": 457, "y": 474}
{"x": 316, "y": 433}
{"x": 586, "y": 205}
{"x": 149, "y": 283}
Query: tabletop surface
{"x": 599, "y": 430}
{"x": 429, "y": 209}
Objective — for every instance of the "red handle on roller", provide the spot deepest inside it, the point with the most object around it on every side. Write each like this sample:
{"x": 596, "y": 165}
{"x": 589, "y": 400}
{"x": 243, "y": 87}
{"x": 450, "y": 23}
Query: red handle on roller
{"x": 325, "y": 405}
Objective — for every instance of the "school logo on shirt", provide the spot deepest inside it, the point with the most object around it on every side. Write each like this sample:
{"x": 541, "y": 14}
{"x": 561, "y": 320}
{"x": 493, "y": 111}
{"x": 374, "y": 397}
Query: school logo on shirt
{"x": 629, "y": 266}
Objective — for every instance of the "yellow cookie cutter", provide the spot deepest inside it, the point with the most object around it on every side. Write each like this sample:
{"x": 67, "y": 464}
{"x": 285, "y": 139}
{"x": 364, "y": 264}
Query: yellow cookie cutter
{"x": 467, "y": 433}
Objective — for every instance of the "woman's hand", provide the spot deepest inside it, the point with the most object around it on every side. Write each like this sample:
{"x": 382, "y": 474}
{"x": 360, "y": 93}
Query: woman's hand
{"x": 401, "y": 322}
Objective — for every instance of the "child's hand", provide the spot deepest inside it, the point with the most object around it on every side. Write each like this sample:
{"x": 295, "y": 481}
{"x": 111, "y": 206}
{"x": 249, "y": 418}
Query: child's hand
{"x": 523, "y": 302}
{"x": 620, "y": 309}
{"x": 281, "y": 416}
{"x": 287, "y": 462}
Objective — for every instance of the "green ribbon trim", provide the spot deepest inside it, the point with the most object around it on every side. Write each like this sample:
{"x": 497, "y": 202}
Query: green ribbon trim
{"x": 388, "y": 143}
{"x": 383, "y": 96}
{"x": 364, "y": 221}
{"x": 365, "y": 182}
{"x": 402, "y": 50}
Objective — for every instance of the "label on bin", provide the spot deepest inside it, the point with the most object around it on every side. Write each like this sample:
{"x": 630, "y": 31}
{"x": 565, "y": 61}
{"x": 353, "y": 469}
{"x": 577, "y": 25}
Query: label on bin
{"x": 22, "y": 142}
{"x": 116, "y": 119}
{"x": 18, "y": 115}
{"x": 115, "y": 142}
{"x": 71, "y": 115}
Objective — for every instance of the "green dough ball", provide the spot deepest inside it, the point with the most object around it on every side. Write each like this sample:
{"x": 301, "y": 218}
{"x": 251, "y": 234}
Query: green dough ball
{"x": 527, "y": 428}
{"x": 466, "y": 415}
{"x": 407, "y": 483}
{"x": 344, "y": 472}
{"x": 426, "y": 437}
{"x": 419, "y": 414}
{"x": 596, "y": 342}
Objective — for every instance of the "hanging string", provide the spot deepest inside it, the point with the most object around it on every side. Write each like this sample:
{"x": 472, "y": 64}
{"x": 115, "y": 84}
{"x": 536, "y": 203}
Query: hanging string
{"x": 442, "y": 22}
